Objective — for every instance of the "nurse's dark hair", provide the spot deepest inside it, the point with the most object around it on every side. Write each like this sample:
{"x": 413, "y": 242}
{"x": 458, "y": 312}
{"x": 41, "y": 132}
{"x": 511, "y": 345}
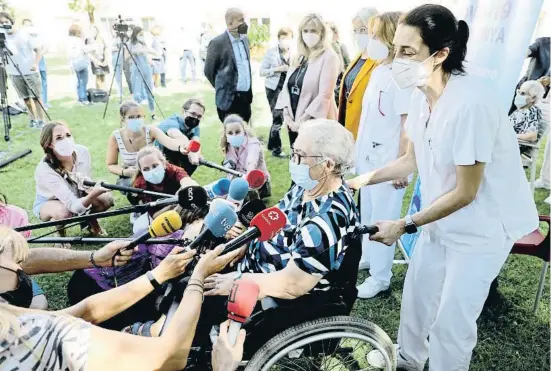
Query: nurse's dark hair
{"x": 440, "y": 29}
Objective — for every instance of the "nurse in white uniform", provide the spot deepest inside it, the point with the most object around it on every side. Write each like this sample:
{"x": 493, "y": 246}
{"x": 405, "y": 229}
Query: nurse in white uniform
{"x": 381, "y": 140}
{"x": 476, "y": 199}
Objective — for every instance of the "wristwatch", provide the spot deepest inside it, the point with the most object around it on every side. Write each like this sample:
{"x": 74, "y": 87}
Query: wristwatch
{"x": 411, "y": 227}
{"x": 152, "y": 280}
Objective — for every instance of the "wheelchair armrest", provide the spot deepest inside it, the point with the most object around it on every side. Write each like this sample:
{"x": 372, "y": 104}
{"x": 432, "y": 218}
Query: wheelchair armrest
{"x": 529, "y": 144}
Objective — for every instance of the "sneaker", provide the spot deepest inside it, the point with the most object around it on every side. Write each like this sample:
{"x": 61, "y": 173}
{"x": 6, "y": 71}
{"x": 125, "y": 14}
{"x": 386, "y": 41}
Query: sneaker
{"x": 364, "y": 265}
{"x": 32, "y": 123}
{"x": 279, "y": 154}
{"x": 38, "y": 124}
{"x": 539, "y": 184}
{"x": 375, "y": 359}
{"x": 371, "y": 287}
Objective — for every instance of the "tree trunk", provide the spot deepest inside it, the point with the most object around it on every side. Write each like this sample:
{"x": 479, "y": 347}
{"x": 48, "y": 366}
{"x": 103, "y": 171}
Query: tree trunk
{"x": 91, "y": 17}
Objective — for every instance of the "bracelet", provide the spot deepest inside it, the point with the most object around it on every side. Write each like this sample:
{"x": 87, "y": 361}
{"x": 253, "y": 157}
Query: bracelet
{"x": 92, "y": 261}
{"x": 179, "y": 145}
{"x": 192, "y": 289}
{"x": 194, "y": 284}
{"x": 201, "y": 283}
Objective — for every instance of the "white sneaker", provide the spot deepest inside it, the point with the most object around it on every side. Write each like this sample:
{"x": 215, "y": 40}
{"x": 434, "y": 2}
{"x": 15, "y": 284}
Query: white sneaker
{"x": 371, "y": 287}
{"x": 364, "y": 265}
{"x": 539, "y": 184}
{"x": 375, "y": 359}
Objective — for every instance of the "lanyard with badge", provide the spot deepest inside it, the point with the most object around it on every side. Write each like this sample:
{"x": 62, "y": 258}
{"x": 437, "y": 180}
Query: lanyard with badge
{"x": 295, "y": 90}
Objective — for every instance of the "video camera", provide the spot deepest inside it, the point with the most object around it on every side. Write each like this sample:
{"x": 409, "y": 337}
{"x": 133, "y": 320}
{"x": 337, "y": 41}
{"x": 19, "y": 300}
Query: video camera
{"x": 121, "y": 27}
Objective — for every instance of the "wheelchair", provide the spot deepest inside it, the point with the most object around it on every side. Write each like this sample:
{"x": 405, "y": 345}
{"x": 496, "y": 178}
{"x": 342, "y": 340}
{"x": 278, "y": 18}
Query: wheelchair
{"x": 315, "y": 332}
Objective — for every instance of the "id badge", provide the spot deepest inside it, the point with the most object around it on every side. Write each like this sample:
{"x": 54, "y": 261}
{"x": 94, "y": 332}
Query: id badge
{"x": 295, "y": 90}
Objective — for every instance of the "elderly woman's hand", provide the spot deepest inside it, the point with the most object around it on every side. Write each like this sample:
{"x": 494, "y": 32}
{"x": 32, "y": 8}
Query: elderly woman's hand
{"x": 219, "y": 284}
{"x": 173, "y": 265}
{"x": 544, "y": 80}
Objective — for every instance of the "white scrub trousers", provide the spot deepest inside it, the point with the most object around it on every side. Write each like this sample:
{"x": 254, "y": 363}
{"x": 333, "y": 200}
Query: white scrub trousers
{"x": 445, "y": 289}
{"x": 379, "y": 202}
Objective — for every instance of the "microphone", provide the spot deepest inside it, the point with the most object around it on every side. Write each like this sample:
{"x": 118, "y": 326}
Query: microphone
{"x": 193, "y": 146}
{"x": 256, "y": 178}
{"x": 365, "y": 229}
{"x": 219, "y": 188}
{"x": 216, "y": 224}
{"x": 264, "y": 226}
{"x": 212, "y": 165}
{"x": 239, "y": 188}
{"x": 192, "y": 198}
{"x": 249, "y": 210}
{"x": 163, "y": 225}
{"x": 241, "y": 302}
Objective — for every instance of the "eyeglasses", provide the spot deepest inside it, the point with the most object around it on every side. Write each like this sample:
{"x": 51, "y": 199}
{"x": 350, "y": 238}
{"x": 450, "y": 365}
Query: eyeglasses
{"x": 297, "y": 158}
{"x": 361, "y": 30}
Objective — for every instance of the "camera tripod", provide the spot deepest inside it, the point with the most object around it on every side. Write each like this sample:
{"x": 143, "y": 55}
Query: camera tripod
{"x": 5, "y": 58}
{"x": 121, "y": 29}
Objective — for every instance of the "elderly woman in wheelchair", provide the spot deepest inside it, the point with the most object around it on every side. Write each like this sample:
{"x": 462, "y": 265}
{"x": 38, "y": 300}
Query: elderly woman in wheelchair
{"x": 308, "y": 271}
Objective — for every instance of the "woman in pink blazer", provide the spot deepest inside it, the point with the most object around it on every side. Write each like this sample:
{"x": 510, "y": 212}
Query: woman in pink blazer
{"x": 308, "y": 89}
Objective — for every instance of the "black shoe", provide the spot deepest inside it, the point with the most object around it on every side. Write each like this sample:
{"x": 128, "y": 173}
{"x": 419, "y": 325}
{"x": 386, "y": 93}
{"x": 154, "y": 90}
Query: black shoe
{"x": 279, "y": 154}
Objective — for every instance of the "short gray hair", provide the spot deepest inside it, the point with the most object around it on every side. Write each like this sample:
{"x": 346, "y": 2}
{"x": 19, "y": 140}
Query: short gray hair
{"x": 534, "y": 89}
{"x": 365, "y": 14}
{"x": 332, "y": 141}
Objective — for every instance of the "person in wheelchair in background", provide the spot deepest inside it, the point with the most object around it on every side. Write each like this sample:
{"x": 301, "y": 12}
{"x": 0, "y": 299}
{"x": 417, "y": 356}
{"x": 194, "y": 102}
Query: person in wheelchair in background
{"x": 299, "y": 270}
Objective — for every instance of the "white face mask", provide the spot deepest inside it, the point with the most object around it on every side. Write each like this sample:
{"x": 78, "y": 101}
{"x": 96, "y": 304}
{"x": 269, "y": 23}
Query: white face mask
{"x": 285, "y": 44}
{"x": 376, "y": 50}
{"x": 407, "y": 73}
{"x": 141, "y": 38}
{"x": 310, "y": 39}
{"x": 65, "y": 147}
{"x": 361, "y": 40}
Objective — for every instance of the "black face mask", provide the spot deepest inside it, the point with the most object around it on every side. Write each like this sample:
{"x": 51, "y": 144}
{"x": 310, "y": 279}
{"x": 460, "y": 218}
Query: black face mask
{"x": 243, "y": 29}
{"x": 22, "y": 296}
{"x": 191, "y": 122}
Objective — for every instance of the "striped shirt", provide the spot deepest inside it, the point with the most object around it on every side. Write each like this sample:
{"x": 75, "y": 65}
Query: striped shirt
{"x": 129, "y": 158}
{"x": 46, "y": 343}
{"x": 315, "y": 238}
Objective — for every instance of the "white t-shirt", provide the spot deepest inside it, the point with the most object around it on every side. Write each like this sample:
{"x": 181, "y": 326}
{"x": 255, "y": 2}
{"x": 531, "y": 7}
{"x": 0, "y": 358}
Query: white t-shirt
{"x": 466, "y": 126}
{"x": 22, "y": 46}
{"x": 380, "y": 122}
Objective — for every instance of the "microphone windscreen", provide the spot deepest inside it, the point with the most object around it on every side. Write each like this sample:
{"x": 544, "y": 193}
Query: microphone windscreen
{"x": 250, "y": 210}
{"x": 165, "y": 224}
{"x": 256, "y": 178}
{"x": 192, "y": 198}
{"x": 242, "y": 300}
{"x": 222, "y": 187}
{"x": 239, "y": 188}
{"x": 269, "y": 222}
{"x": 220, "y": 219}
{"x": 194, "y": 146}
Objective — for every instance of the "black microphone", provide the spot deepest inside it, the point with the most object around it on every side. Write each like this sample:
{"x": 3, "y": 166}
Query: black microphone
{"x": 249, "y": 211}
{"x": 192, "y": 198}
{"x": 366, "y": 229}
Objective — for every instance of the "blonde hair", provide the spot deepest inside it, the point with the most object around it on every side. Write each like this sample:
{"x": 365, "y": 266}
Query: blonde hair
{"x": 146, "y": 151}
{"x": 384, "y": 26}
{"x": 14, "y": 243}
{"x": 305, "y": 53}
{"x": 233, "y": 119}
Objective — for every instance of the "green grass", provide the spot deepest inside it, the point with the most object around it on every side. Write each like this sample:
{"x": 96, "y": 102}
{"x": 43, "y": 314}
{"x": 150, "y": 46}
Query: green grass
{"x": 509, "y": 338}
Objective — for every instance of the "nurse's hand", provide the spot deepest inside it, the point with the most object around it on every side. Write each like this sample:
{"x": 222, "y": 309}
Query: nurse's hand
{"x": 389, "y": 231}
{"x": 400, "y": 183}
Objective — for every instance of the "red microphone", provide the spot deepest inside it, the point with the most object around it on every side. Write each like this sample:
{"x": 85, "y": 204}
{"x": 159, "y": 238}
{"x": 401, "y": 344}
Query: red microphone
{"x": 256, "y": 178}
{"x": 264, "y": 226}
{"x": 192, "y": 147}
{"x": 241, "y": 302}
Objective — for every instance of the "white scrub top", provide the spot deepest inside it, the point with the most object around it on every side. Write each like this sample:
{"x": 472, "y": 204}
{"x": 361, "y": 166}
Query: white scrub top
{"x": 466, "y": 126}
{"x": 380, "y": 122}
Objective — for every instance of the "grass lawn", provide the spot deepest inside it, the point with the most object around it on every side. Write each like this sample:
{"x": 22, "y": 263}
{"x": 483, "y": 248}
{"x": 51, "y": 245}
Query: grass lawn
{"x": 510, "y": 337}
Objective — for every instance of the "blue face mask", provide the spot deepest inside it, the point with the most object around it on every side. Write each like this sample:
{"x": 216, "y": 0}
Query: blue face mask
{"x": 154, "y": 176}
{"x": 134, "y": 125}
{"x": 520, "y": 101}
{"x": 236, "y": 141}
{"x": 300, "y": 174}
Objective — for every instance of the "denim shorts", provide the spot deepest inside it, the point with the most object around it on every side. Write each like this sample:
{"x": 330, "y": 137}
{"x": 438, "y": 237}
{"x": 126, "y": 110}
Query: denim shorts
{"x": 37, "y": 290}
{"x": 38, "y": 202}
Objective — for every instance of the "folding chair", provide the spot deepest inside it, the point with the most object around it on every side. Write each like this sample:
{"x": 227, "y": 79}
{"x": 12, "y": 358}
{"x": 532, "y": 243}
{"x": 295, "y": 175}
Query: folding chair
{"x": 536, "y": 244}
{"x": 530, "y": 158}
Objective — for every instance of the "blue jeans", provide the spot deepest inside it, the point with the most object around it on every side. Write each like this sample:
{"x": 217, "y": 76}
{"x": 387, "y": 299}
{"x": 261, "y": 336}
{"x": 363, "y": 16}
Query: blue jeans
{"x": 117, "y": 70}
{"x": 44, "y": 79}
{"x": 187, "y": 58}
{"x": 82, "y": 84}
{"x": 139, "y": 88}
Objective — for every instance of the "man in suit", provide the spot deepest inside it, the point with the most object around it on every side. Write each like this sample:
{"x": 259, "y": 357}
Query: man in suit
{"x": 228, "y": 67}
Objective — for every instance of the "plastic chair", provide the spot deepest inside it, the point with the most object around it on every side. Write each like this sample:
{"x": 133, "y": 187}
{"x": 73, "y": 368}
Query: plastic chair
{"x": 536, "y": 244}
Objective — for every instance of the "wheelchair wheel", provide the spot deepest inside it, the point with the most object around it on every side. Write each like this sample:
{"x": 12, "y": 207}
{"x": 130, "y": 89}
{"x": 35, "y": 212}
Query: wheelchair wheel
{"x": 333, "y": 343}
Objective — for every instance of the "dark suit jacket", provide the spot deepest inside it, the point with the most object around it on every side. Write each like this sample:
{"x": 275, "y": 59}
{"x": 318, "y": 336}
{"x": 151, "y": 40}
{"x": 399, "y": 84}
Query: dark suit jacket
{"x": 221, "y": 70}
